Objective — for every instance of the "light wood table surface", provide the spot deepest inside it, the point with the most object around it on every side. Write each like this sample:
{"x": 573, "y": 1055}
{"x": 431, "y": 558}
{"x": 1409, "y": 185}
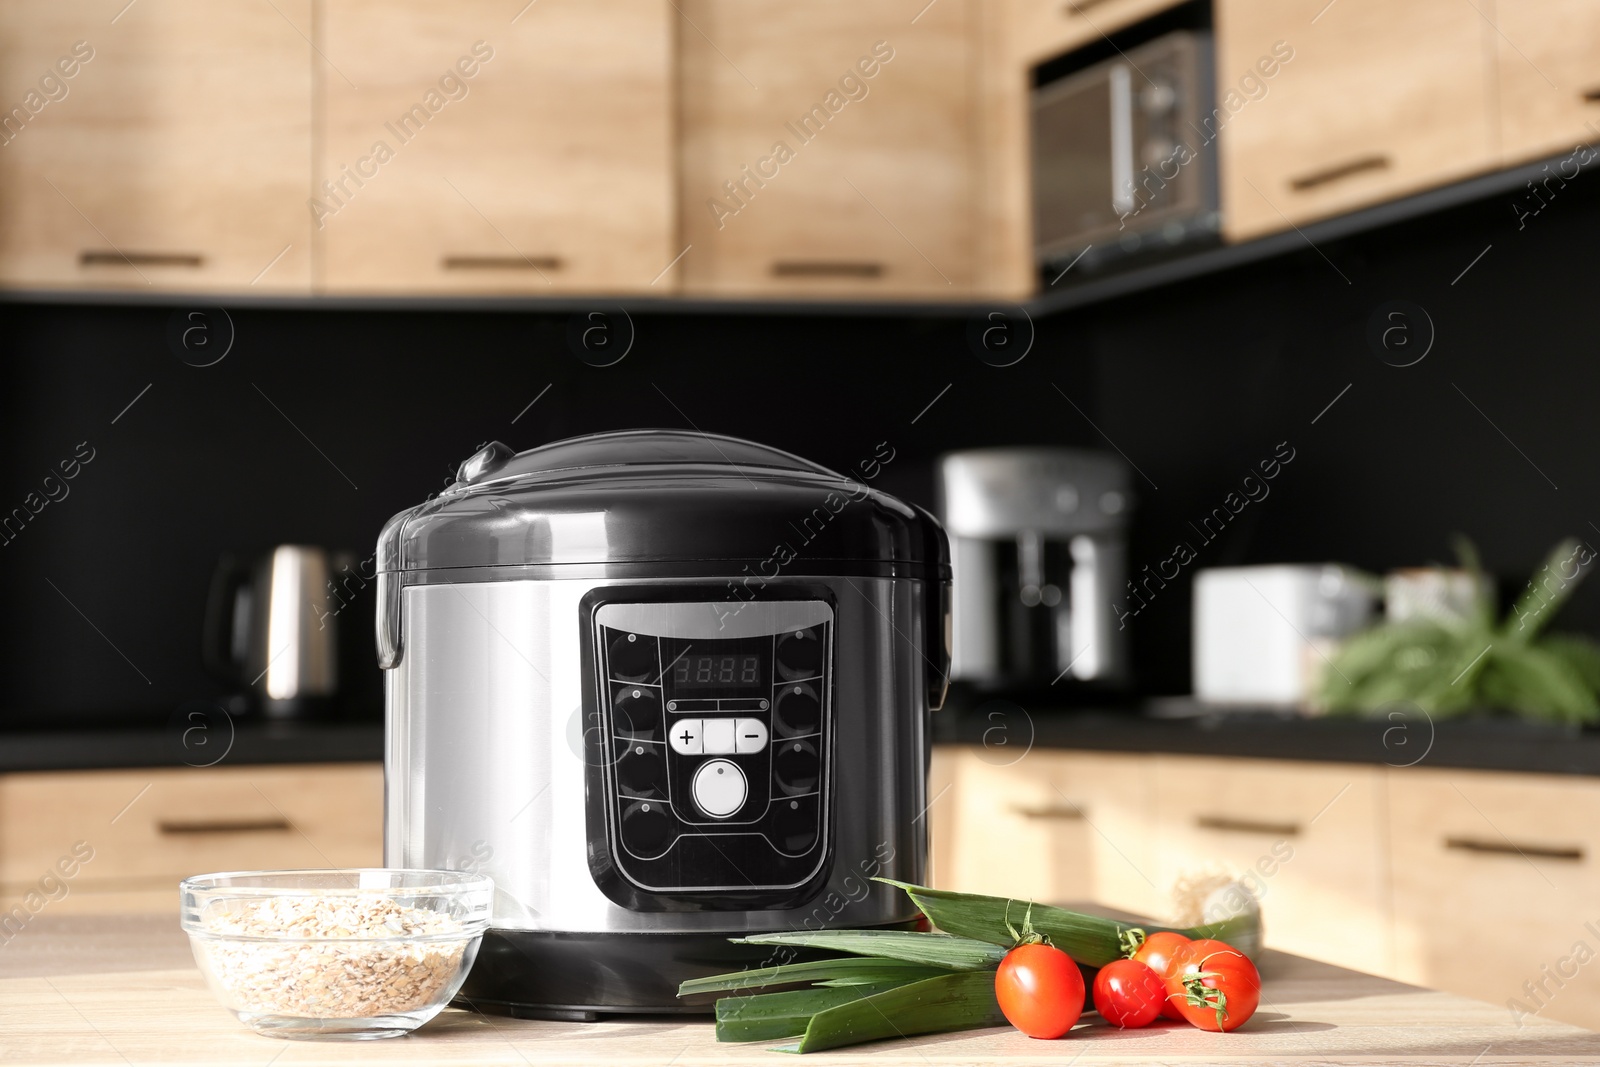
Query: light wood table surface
{"x": 123, "y": 991}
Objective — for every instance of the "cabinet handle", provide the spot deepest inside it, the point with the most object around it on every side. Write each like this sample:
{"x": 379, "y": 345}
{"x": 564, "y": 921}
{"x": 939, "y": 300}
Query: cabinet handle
{"x": 97, "y": 258}
{"x": 221, "y": 826}
{"x": 1228, "y": 824}
{"x": 1508, "y": 848}
{"x": 803, "y": 268}
{"x": 1078, "y": 7}
{"x": 1048, "y": 811}
{"x": 1338, "y": 172}
{"x": 500, "y": 263}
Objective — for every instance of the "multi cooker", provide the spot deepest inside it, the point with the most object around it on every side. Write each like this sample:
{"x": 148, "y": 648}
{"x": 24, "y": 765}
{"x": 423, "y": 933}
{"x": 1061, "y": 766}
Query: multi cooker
{"x": 667, "y": 689}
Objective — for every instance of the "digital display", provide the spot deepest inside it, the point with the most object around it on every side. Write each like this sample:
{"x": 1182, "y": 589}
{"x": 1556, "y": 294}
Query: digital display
{"x": 717, "y": 668}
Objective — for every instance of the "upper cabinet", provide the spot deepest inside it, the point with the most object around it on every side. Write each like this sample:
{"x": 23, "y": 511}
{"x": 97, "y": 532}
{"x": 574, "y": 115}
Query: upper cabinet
{"x": 158, "y": 145}
{"x": 1368, "y": 100}
{"x": 826, "y": 149}
{"x": 1548, "y": 60}
{"x": 475, "y": 147}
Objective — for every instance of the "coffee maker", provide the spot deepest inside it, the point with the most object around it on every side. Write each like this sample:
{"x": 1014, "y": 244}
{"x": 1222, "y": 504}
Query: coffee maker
{"x": 1038, "y": 541}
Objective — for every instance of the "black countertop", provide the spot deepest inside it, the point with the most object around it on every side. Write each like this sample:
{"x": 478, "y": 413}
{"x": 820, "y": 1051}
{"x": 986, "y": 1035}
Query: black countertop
{"x": 1183, "y": 727}
{"x": 1180, "y": 727}
{"x": 200, "y": 744}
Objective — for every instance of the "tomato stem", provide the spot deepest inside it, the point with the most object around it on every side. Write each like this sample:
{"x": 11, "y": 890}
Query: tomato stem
{"x": 1200, "y": 995}
{"x": 1130, "y": 940}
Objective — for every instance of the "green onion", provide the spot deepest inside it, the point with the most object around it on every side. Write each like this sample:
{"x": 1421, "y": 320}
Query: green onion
{"x": 773, "y": 1016}
{"x": 840, "y": 971}
{"x": 960, "y": 1001}
{"x": 1088, "y": 939}
{"x": 934, "y": 950}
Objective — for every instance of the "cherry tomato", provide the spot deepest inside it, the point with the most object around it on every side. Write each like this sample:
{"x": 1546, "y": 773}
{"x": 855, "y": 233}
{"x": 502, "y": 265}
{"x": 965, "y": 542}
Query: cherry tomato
{"x": 1040, "y": 990}
{"x": 1215, "y": 986}
{"x": 1128, "y": 994}
{"x": 1157, "y": 953}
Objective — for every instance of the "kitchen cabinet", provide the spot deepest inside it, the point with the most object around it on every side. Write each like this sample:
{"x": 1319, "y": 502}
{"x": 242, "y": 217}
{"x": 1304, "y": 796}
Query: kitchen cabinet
{"x": 1050, "y": 826}
{"x": 1549, "y": 77}
{"x": 1472, "y": 881}
{"x": 130, "y": 836}
{"x": 1044, "y": 29}
{"x": 1497, "y": 888}
{"x": 162, "y": 145}
{"x": 826, "y": 149}
{"x": 1379, "y": 100}
{"x": 1306, "y": 839}
{"x": 478, "y": 148}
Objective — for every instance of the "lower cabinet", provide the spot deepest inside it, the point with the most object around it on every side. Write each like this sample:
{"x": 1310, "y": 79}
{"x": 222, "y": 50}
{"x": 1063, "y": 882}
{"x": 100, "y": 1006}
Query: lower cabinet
{"x": 1482, "y": 884}
{"x": 1050, "y": 826}
{"x": 1306, "y": 838}
{"x": 120, "y": 841}
{"x": 1497, "y": 888}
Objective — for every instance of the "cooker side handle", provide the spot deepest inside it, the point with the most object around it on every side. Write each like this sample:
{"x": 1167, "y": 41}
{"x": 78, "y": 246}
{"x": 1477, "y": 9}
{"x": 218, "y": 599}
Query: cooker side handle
{"x": 936, "y": 631}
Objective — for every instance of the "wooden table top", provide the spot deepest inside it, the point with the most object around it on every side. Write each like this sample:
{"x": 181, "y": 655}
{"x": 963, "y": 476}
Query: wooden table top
{"x": 122, "y": 991}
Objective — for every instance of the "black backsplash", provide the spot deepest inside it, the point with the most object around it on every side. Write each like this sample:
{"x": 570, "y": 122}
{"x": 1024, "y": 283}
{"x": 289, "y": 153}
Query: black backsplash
{"x": 320, "y": 424}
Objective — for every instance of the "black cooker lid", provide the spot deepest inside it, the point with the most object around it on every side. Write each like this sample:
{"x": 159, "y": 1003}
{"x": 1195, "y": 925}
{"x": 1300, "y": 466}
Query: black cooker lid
{"x": 641, "y": 496}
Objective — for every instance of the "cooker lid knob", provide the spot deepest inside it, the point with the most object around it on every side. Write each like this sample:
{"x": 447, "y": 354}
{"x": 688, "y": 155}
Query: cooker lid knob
{"x": 488, "y": 459}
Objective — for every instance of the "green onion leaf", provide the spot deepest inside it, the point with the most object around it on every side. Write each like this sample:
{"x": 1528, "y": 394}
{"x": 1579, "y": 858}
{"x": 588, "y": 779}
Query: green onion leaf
{"x": 773, "y": 1016}
{"x": 935, "y": 950}
{"x": 960, "y": 1001}
{"x": 847, "y": 969}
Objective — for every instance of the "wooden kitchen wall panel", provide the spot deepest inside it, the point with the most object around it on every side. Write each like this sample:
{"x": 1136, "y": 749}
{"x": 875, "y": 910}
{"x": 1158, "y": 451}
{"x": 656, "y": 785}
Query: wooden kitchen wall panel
{"x": 1497, "y": 887}
{"x": 175, "y": 156}
{"x": 1049, "y": 826}
{"x": 826, "y": 149}
{"x": 473, "y": 148}
{"x": 1045, "y": 29}
{"x": 1306, "y": 837}
{"x": 1548, "y": 59}
{"x": 1379, "y": 100}
{"x": 133, "y": 835}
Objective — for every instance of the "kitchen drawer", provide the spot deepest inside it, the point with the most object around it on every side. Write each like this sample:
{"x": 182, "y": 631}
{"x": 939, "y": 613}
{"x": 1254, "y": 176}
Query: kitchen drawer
{"x": 1548, "y": 59}
{"x": 524, "y": 152}
{"x": 174, "y": 158}
{"x": 1497, "y": 883}
{"x": 1379, "y": 100}
{"x": 1051, "y": 826}
{"x": 1312, "y": 833}
{"x": 148, "y": 829}
{"x": 800, "y": 175}
{"x": 1045, "y": 29}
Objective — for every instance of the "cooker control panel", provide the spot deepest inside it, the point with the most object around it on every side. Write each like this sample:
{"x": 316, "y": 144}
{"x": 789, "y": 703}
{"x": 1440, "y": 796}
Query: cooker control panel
{"x": 716, "y": 720}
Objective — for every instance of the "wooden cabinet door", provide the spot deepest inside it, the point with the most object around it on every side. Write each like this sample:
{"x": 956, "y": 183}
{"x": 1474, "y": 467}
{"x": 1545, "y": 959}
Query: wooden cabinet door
{"x": 1306, "y": 837}
{"x": 1379, "y": 100}
{"x": 1046, "y": 29}
{"x": 1049, "y": 826}
{"x": 129, "y": 836}
{"x": 174, "y": 157}
{"x": 1497, "y": 884}
{"x": 826, "y": 148}
{"x": 1548, "y": 58}
{"x": 475, "y": 148}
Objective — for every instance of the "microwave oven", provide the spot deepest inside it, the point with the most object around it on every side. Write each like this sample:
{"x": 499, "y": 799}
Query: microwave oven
{"x": 1123, "y": 154}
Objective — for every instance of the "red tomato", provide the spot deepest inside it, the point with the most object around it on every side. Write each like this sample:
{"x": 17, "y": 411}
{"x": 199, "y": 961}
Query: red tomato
{"x": 1040, "y": 990}
{"x": 1158, "y": 953}
{"x": 1128, "y": 994}
{"x": 1215, "y": 986}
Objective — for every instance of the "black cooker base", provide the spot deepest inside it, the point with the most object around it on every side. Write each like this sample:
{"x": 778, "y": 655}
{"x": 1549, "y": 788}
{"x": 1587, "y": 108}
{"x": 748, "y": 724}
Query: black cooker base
{"x": 581, "y": 977}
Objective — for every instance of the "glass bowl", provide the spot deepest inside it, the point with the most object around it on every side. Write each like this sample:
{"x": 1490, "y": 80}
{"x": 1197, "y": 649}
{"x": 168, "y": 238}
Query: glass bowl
{"x": 341, "y": 954}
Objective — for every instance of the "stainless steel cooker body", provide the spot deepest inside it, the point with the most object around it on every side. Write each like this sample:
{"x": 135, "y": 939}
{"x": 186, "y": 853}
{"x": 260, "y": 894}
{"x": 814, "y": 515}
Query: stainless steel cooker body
{"x": 666, "y": 689}
{"x": 492, "y": 754}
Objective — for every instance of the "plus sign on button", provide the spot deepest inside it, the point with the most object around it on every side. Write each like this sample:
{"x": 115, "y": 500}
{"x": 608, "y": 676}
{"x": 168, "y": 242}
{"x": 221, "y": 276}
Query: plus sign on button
{"x": 685, "y": 736}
